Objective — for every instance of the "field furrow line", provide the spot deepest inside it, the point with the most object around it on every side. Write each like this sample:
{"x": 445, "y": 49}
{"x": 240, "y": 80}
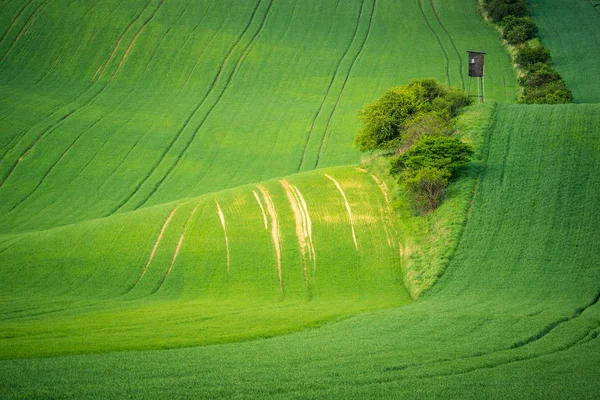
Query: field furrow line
{"x": 14, "y": 21}
{"x": 185, "y": 124}
{"x": 224, "y": 225}
{"x": 139, "y": 32}
{"x": 52, "y": 128}
{"x": 596, "y": 7}
{"x": 439, "y": 40}
{"x": 460, "y": 59}
{"x": 274, "y": 232}
{"x": 156, "y": 243}
{"x": 301, "y": 228}
{"x": 348, "y": 210}
{"x": 262, "y": 209}
{"x": 314, "y": 119}
{"x": 25, "y": 27}
{"x": 165, "y": 35}
{"x": 339, "y": 97}
{"x": 14, "y": 141}
{"x": 62, "y": 156}
{"x": 209, "y": 112}
{"x": 178, "y": 248}
{"x": 102, "y": 67}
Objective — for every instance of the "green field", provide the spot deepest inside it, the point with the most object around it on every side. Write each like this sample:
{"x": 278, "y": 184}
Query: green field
{"x": 516, "y": 314}
{"x": 183, "y": 215}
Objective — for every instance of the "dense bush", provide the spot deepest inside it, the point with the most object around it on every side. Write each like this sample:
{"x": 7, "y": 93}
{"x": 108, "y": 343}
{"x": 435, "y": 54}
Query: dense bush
{"x": 554, "y": 92}
{"x": 441, "y": 152}
{"x": 527, "y": 56}
{"x": 537, "y": 75}
{"x": 426, "y": 168}
{"x": 517, "y": 30}
{"x": 426, "y": 187}
{"x": 385, "y": 121}
{"x": 498, "y": 9}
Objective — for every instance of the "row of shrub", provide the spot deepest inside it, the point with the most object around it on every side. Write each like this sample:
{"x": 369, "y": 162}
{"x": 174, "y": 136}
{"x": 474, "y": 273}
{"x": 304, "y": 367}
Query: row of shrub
{"x": 411, "y": 124}
{"x": 541, "y": 83}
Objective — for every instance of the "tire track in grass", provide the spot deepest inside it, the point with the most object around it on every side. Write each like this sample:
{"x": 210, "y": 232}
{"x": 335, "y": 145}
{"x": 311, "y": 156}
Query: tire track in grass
{"x": 62, "y": 156}
{"x": 274, "y": 233}
{"x": 156, "y": 243}
{"x": 439, "y": 40}
{"x": 339, "y": 97}
{"x": 178, "y": 248}
{"x": 262, "y": 209}
{"x": 236, "y": 68}
{"x": 187, "y": 122}
{"x": 103, "y": 67}
{"x": 14, "y": 21}
{"x": 302, "y": 233}
{"x": 348, "y": 210}
{"x": 52, "y": 128}
{"x": 460, "y": 59}
{"x": 25, "y": 27}
{"x": 224, "y": 225}
{"x": 13, "y": 142}
{"x": 314, "y": 119}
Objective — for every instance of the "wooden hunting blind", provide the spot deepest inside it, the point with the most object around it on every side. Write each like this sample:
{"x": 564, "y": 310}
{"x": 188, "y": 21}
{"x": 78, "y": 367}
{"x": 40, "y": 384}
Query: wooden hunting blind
{"x": 476, "y": 69}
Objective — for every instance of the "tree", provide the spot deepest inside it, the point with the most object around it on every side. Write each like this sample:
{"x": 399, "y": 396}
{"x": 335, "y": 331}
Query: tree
{"x": 385, "y": 121}
{"x": 527, "y": 56}
{"x": 498, "y": 9}
{"x": 426, "y": 187}
{"x": 441, "y": 152}
{"x": 516, "y": 30}
{"x": 426, "y": 168}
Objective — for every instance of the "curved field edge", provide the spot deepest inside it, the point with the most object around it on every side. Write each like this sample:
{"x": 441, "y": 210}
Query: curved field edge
{"x": 516, "y": 312}
{"x": 246, "y": 263}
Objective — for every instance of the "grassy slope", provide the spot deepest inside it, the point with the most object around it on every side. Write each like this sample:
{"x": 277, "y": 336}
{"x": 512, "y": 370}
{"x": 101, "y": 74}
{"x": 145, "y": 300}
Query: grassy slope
{"x": 171, "y": 276}
{"x": 110, "y": 106}
{"x": 516, "y": 313}
{"x": 571, "y": 29}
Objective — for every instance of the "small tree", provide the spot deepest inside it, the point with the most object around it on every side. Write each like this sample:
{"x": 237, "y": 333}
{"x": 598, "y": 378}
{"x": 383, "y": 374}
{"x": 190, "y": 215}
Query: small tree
{"x": 426, "y": 187}
{"x": 439, "y": 152}
{"x": 518, "y": 30}
{"x": 426, "y": 168}
{"x": 498, "y": 9}
{"x": 385, "y": 121}
{"x": 527, "y": 56}
{"x": 537, "y": 75}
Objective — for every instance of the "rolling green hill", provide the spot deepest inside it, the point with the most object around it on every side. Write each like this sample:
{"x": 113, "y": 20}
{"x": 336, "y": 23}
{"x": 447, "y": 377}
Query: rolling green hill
{"x": 112, "y": 106}
{"x": 516, "y": 314}
{"x": 182, "y": 214}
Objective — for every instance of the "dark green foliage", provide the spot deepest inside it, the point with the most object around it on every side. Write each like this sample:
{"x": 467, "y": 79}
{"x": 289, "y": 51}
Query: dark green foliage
{"x": 518, "y": 30}
{"x": 386, "y": 120}
{"x": 537, "y": 75}
{"x": 426, "y": 186}
{"x": 528, "y": 55}
{"x": 426, "y": 168}
{"x": 554, "y": 92}
{"x": 543, "y": 85}
{"x": 498, "y": 9}
{"x": 440, "y": 152}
